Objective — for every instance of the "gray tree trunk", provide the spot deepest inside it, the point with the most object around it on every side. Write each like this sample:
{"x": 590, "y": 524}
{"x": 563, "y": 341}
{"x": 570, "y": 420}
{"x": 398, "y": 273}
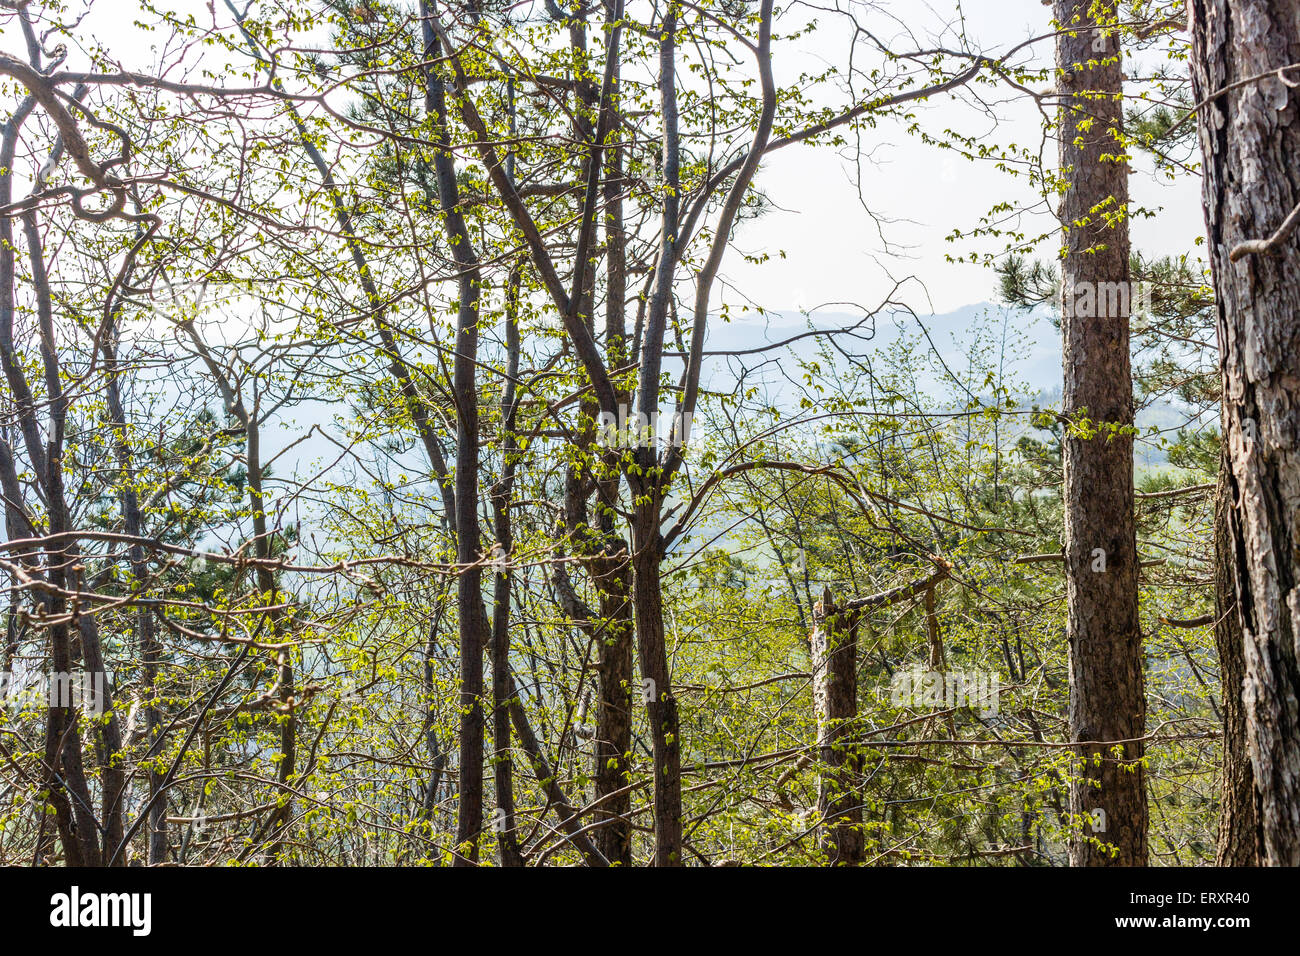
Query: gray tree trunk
{"x": 474, "y": 627}
{"x": 1250, "y": 138}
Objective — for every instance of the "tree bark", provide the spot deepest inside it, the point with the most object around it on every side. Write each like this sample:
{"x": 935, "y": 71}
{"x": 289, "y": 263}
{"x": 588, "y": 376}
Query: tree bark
{"x": 502, "y": 584}
{"x": 613, "y": 741}
{"x": 469, "y": 594}
{"x": 835, "y": 699}
{"x": 1238, "y": 843}
{"x": 647, "y": 488}
{"x": 612, "y": 569}
{"x": 1250, "y": 136}
{"x": 661, "y": 705}
{"x": 1107, "y": 701}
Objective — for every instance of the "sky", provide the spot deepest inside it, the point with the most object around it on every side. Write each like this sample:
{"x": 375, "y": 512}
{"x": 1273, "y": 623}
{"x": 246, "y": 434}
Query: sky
{"x": 833, "y": 249}
{"x": 827, "y": 230}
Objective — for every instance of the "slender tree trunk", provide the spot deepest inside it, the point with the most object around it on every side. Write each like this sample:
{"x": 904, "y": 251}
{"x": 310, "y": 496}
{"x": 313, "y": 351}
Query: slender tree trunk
{"x": 570, "y": 825}
{"x": 1107, "y": 699}
{"x": 269, "y": 588}
{"x": 69, "y": 793}
{"x": 146, "y": 633}
{"x": 647, "y": 489}
{"x": 661, "y": 705}
{"x": 429, "y": 730}
{"x": 1250, "y": 138}
{"x": 835, "y": 699}
{"x": 108, "y": 734}
{"x": 611, "y": 568}
{"x": 469, "y": 594}
{"x": 502, "y": 765}
{"x": 613, "y": 743}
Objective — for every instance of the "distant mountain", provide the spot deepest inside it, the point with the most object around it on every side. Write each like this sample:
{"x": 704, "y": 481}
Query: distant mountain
{"x": 1034, "y": 343}
{"x": 1029, "y": 340}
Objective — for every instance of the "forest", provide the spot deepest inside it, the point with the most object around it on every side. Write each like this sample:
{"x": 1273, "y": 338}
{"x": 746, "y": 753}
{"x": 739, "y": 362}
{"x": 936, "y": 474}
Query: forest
{"x": 629, "y": 433}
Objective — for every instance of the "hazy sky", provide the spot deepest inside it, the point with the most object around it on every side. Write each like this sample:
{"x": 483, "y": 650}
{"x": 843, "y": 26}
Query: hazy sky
{"x": 833, "y": 248}
{"x": 832, "y": 245}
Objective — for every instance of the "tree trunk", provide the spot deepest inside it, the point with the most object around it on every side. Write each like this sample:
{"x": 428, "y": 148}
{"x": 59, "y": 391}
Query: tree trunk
{"x": 661, "y": 705}
{"x": 835, "y": 699}
{"x": 268, "y": 587}
{"x": 1107, "y": 701}
{"x": 613, "y": 740}
{"x": 469, "y": 594}
{"x": 613, "y": 572}
{"x": 1250, "y": 136}
{"x": 146, "y": 633}
{"x": 502, "y": 764}
{"x": 1238, "y": 843}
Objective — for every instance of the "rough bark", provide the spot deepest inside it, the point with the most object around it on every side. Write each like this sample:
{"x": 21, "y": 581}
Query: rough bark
{"x": 1238, "y": 842}
{"x": 1250, "y": 136}
{"x": 835, "y": 699}
{"x": 1107, "y": 702}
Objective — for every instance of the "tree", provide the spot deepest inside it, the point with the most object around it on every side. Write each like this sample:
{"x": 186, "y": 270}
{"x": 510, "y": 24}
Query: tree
{"x": 835, "y": 692}
{"x": 1108, "y": 802}
{"x": 305, "y": 368}
{"x": 1249, "y": 128}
